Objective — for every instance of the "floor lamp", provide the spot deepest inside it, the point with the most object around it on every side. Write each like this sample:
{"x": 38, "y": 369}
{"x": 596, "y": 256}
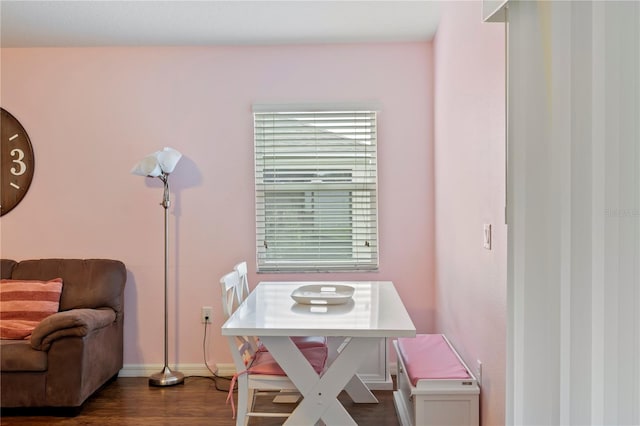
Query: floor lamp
{"x": 160, "y": 164}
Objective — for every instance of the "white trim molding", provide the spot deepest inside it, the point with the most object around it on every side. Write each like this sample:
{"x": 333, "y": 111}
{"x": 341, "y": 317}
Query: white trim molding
{"x": 222, "y": 369}
{"x": 145, "y": 370}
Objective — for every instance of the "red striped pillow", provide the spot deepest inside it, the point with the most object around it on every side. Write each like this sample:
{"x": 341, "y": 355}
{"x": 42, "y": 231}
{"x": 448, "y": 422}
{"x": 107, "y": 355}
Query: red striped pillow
{"x": 24, "y": 303}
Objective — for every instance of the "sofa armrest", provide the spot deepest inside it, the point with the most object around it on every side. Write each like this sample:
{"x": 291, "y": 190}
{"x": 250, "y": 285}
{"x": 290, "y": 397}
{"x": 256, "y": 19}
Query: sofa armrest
{"x": 74, "y": 322}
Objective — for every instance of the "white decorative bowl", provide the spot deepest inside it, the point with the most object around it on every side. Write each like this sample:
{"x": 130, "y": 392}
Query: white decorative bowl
{"x": 323, "y": 294}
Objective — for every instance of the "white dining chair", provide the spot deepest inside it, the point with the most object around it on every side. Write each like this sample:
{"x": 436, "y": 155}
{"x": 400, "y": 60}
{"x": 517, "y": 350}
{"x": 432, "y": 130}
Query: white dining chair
{"x": 235, "y": 288}
{"x": 257, "y": 373}
{"x": 243, "y": 287}
{"x": 229, "y": 284}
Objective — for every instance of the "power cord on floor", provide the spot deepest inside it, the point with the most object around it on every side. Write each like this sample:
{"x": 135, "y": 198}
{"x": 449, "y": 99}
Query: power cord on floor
{"x": 219, "y": 381}
{"x": 216, "y": 378}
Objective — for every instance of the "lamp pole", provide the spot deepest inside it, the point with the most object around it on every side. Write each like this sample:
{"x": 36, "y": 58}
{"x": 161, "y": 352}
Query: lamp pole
{"x": 166, "y": 377}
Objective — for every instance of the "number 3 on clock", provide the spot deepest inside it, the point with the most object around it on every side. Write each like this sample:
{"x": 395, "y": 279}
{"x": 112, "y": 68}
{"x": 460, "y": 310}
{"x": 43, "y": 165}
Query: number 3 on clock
{"x": 22, "y": 167}
{"x": 17, "y": 161}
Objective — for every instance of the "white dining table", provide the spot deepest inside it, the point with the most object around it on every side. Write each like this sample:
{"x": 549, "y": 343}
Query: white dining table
{"x": 374, "y": 311}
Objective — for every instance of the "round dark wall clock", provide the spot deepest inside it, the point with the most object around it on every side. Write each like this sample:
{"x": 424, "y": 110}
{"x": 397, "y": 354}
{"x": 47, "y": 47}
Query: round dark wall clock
{"x": 17, "y": 162}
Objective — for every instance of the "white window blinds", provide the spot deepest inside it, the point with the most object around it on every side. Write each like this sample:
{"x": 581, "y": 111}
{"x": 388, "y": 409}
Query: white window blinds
{"x": 316, "y": 191}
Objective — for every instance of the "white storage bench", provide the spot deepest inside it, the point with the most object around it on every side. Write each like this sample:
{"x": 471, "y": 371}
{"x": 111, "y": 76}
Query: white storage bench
{"x": 435, "y": 387}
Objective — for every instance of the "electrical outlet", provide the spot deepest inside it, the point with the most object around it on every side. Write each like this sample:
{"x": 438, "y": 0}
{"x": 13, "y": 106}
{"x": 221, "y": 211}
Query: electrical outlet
{"x": 206, "y": 314}
{"x": 479, "y": 372}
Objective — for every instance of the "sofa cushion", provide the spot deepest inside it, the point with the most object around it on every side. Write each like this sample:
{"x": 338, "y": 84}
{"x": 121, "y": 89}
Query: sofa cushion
{"x": 6, "y": 268}
{"x": 18, "y": 355}
{"x": 24, "y": 303}
{"x": 88, "y": 283}
{"x": 73, "y": 323}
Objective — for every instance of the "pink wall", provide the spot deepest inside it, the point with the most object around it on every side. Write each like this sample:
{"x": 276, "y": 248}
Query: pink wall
{"x": 469, "y": 192}
{"x": 92, "y": 113}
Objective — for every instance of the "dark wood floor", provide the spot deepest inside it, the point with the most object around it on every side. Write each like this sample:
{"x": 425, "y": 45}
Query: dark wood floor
{"x": 200, "y": 401}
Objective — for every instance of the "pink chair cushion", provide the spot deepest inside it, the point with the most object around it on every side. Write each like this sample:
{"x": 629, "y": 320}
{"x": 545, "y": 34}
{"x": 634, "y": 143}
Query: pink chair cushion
{"x": 428, "y": 356}
{"x": 264, "y": 363}
{"x": 302, "y": 342}
{"x": 309, "y": 341}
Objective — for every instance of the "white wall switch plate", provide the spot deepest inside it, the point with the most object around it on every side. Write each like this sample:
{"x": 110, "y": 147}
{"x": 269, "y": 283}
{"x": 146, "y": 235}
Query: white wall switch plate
{"x": 487, "y": 236}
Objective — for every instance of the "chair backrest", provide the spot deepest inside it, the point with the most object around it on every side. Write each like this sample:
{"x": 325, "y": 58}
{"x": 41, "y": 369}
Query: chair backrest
{"x": 229, "y": 284}
{"x": 244, "y": 353}
{"x": 243, "y": 288}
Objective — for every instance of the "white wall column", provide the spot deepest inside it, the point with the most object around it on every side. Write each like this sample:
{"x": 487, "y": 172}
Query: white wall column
{"x": 573, "y": 213}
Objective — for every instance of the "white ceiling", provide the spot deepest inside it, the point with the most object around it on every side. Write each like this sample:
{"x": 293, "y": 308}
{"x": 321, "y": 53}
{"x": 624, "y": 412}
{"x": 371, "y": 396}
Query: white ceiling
{"x": 28, "y": 23}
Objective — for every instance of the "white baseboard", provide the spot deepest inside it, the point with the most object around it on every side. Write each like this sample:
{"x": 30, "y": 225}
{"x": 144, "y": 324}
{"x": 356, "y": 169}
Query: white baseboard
{"x": 225, "y": 370}
{"x": 222, "y": 369}
{"x": 145, "y": 370}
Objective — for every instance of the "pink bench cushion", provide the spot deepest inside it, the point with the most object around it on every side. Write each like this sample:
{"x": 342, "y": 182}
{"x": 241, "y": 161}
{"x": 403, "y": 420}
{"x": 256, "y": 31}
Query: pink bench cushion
{"x": 428, "y": 356}
{"x": 264, "y": 363}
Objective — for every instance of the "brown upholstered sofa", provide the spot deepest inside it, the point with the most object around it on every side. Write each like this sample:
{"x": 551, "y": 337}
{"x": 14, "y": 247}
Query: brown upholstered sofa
{"x": 74, "y": 352}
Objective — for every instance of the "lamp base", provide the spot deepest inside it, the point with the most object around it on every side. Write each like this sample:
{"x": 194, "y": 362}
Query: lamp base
{"x": 166, "y": 378}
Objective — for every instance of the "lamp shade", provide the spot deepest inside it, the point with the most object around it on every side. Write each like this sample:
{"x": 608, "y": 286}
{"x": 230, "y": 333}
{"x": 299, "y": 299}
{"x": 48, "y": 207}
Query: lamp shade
{"x": 148, "y": 166}
{"x": 168, "y": 158}
{"x": 158, "y": 163}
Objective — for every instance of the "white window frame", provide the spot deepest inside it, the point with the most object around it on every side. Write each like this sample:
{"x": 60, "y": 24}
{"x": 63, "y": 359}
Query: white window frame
{"x": 312, "y": 174}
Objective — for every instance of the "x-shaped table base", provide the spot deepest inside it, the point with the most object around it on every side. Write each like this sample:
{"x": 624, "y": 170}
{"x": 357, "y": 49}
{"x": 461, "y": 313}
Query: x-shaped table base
{"x": 320, "y": 393}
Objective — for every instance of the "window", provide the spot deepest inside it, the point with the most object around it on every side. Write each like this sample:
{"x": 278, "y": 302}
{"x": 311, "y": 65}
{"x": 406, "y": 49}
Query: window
{"x": 316, "y": 195}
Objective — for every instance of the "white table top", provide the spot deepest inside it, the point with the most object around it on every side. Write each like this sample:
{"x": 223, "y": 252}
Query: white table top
{"x": 375, "y": 310}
